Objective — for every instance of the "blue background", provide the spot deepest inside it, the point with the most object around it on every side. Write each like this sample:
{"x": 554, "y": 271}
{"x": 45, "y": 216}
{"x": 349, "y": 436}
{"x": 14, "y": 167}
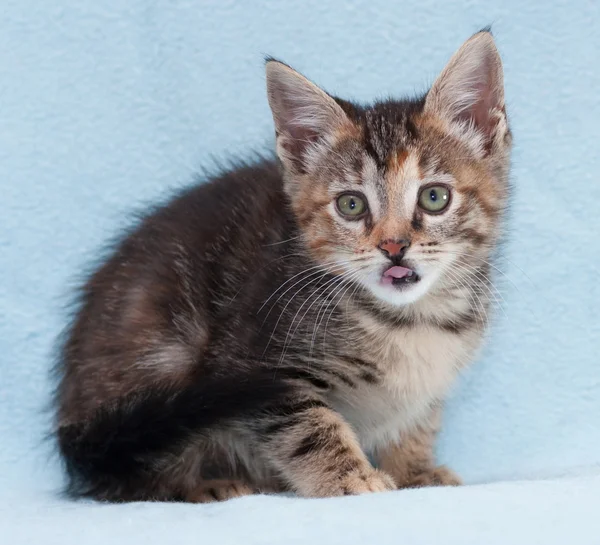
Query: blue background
{"x": 108, "y": 105}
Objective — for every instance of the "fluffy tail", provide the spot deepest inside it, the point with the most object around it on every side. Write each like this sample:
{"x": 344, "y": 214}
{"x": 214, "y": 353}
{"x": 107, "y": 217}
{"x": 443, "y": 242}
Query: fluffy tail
{"x": 120, "y": 444}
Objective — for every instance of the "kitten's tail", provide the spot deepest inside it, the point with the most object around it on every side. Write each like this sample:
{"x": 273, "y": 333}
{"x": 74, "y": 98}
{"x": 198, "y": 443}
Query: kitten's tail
{"x": 123, "y": 442}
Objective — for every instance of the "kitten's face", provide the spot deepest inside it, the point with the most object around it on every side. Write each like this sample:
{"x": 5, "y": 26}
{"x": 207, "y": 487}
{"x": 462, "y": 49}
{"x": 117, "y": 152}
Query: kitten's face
{"x": 402, "y": 197}
{"x": 407, "y": 222}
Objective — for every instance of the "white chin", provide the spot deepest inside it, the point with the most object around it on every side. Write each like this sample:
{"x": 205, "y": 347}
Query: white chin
{"x": 400, "y": 296}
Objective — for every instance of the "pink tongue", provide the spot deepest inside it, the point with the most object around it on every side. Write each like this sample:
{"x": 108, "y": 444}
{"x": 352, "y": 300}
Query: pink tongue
{"x": 397, "y": 272}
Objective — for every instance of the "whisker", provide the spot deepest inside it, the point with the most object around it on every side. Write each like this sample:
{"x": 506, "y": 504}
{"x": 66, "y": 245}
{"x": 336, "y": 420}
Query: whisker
{"x": 476, "y": 306}
{"x": 483, "y": 260}
{"x": 322, "y": 311}
{"x": 327, "y": 304}
{"x": 324, "y": 271}
{"x": 333, "y": 310}
{"x": 484, "y": 282}
{"x": 282, "y": 241}
{"x": 325, "y": 300}
{"x": 286, "y": 306}
{"x": 262, "y": 268}
{"x": 285, "y": 344}
{"x": 329, "y": 264}
{"x": 324, "y": 287}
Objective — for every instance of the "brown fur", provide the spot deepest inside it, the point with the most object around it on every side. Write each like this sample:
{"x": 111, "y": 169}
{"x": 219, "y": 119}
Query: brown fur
{"x": 410, "y": 461}
{"x": 244, "y": 338}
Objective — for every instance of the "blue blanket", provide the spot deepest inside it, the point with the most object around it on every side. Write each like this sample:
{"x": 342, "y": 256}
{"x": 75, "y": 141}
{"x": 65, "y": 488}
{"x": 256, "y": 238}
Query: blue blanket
{"x": 108, "y": 105}
{"x": 556, "y": 512}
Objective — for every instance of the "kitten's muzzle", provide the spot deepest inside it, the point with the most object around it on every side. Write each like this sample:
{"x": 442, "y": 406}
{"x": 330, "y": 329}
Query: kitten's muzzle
{"x": 400, "y": 273}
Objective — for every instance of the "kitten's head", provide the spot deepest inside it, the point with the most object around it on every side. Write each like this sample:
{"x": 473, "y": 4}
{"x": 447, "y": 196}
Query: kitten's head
{"x": 402, "y": 196}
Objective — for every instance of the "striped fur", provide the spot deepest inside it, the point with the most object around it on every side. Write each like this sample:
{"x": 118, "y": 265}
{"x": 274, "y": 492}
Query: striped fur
{"x": 241, "y": 339}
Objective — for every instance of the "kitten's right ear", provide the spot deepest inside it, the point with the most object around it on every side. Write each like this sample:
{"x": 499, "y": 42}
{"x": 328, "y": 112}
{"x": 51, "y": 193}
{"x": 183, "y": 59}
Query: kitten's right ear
{"x": 303, "y": 113}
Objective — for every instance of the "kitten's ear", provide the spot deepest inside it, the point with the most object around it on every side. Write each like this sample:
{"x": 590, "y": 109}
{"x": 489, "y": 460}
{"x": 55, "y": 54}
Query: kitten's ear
{"x": 470, "y": 89}
{"x": 303, "y": 113}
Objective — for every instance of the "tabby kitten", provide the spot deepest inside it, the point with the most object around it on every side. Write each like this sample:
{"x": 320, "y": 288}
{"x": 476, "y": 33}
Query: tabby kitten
{"x": 280, "y": 326}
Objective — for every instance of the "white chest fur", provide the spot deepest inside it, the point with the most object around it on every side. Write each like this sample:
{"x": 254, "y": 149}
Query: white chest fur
{"x": 418, "y": 365}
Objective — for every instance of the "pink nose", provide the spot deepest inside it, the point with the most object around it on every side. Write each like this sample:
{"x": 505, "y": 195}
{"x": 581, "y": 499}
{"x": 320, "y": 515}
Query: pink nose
{"x": 394, "y": 247}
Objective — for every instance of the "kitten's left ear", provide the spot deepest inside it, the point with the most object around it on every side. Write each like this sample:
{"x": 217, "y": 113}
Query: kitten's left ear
{"x": 303, "y": 113}
{"x": 470, "y": 90}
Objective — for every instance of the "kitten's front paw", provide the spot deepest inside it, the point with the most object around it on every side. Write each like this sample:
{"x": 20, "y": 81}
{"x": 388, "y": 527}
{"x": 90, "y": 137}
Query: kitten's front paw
{"x": 364, "y": 482}
{"x": 436, "y": 476}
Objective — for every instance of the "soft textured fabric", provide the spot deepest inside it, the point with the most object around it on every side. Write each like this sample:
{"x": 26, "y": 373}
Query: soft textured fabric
{"x": 108, "y": 105}
{"x": 557, "y": 512}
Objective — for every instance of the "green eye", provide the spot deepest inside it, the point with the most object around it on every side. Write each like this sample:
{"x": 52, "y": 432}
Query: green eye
{"x": 434, "y": 198}
{"x": 351, "y": 205}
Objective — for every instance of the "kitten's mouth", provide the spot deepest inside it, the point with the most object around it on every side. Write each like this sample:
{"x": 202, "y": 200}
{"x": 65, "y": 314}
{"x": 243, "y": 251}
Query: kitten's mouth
{"x": 399, "y": 276}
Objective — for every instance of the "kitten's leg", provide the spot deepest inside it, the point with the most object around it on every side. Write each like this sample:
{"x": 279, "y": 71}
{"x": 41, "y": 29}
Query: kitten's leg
{"x": 411, "y": 461}
{"x": 317, "y": 453}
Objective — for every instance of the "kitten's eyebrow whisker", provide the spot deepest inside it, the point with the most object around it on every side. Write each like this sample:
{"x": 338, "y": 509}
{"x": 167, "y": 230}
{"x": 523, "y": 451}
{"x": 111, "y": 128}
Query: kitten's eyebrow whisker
{"x": 315, "y": 146}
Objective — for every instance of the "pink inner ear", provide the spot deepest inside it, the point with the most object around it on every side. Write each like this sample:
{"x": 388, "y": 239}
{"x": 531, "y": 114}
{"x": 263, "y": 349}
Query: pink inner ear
{"x": 298, "y": 138}
{"x": 303, "y": 113}
{"x": 481, "y": 109}
{"x": 487, "y": 99}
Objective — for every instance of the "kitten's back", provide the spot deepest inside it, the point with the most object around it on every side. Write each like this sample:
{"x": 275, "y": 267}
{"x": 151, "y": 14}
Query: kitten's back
{"x": 144, "y": 314}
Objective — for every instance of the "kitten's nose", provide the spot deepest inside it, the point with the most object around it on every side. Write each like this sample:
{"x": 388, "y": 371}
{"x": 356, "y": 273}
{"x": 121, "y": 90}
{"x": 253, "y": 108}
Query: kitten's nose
{"x": 394, "y": 248}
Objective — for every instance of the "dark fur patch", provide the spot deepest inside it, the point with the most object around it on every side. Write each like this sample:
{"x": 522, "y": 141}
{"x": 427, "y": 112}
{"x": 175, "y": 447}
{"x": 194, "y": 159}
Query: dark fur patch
{"x": 417, "y": 221}
{"x": 315, "y": 440}
{"x": 288, "y": 415}
{"x": 341, "y": 376}
{"x": 311, "y": 443}
{"x": 460, "y": 324}
{"x": 473, "y": 236}
{"x": 369, "y": 377}
{"x": 281, "y": 425}
{"x": 289, "y": 408}
{"x": 304, "y": 374}
{"x": 389, "y": 319}
{"x": 364, "y": 365}
{"x": 120, "y": 443}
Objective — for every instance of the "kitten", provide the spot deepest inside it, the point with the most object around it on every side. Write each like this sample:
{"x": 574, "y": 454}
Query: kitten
{"x": 278, "y": 327}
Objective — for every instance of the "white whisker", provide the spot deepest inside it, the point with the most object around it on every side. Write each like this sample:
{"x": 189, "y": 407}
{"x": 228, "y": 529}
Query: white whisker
{"x": 262, "y": 268}
{"x": 286, "y": 306}
{"x": 323, "y": 266}
{"x": 349, "y": 285}
{"x": 282, "y": 241}
{"x": 476, "y": 306}
{"x": 484, "y": 282}
{"x": 286, "y": 344}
